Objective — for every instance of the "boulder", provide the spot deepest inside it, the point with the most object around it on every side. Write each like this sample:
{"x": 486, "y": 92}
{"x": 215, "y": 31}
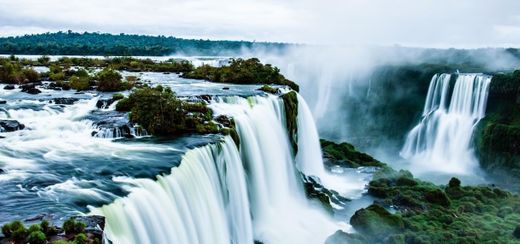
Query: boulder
{"x": 3, "y": 101}
{"x": 9, "y": 87}
{"x": 10, "y": 125}
{"x": 30, "y": 88}
{"x": 65, "y": 100}
{"x": 376, "y": 222}
{"x": 104, "y": 103}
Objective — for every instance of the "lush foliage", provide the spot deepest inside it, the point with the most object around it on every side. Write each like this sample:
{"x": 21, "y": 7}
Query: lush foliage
{"x": 427, "y": 213}
{"x": 160, "y": 112}
{"x": 346, "y": 155}
{"x": 109, "y": 80}
{"x": 498, "y": 135}
{"x": 240, "y": 71}
{"x": 70, "y": 43}
{"x": 11, "y": 71}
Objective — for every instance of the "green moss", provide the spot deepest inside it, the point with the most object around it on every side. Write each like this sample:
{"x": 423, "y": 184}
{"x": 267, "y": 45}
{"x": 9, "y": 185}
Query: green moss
{"x": 438, "y": 214}
{"x": 290, "y": 102}
{"x": 117, "y": 96}
{"x": 346, "y": 155}
{"x": 376, "y": 223}
{"x": 268, "y": 89}
{"x": 497, "y": 137}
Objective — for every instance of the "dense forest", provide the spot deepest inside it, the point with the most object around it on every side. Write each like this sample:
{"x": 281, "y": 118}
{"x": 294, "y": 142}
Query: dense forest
{"x": 72, "y": 43}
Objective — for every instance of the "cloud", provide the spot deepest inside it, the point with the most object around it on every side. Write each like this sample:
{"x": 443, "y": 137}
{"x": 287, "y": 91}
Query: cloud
{"x": 435, "y": 23}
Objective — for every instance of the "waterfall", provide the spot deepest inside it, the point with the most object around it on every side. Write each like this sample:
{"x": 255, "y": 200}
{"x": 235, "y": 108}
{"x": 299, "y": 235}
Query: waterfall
{"x": 442, "y": 139}
{"x": 220, "y": 194}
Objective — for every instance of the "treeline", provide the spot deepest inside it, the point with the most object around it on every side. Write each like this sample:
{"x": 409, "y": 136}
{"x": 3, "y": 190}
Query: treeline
{"x": 72, "y": 43}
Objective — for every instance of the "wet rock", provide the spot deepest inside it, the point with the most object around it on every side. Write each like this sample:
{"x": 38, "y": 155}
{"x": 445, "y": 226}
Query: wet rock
{"x": 2, "y": 171}
{"x": 104, "y": 103}
{"x": 3, "y": 102}
{"x": 65, "y": 100}
{"x": 34, "y": 218}
{"x": 10, "y": 125}
{"x": 225, "y": 88}
{"x": 9, "y": 87}
{"x": 315, "y": 190}
{"x": 206, "y": 98}
{"x": 30, "y": 88}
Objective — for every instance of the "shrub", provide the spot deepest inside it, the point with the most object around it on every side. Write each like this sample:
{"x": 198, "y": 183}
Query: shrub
{"x": 80, "y": 239}
{"x": 117, "y": 96}
{"x": 37, "y": 237}
{"x": 79, "y": 83}
{"x": 158, "y": 110}
{"x": 109, "y": 80}
{"x": 68, "y": 226}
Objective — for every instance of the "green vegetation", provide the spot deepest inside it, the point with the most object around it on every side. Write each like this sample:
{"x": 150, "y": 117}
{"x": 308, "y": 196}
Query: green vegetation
{"x": 240, "y": 71}
{"x": 109, "y": 80}
{"x": 160, "y": 112}
{"x": 346, "y": 155}
{"x": 290, "y": 102}
{"x": 498, "y": 134}
{"x": 427, "y": 213}
{"x": 71, "y": 43}
{"x": 268, "y": 89}
{"x": 12, "y": 72}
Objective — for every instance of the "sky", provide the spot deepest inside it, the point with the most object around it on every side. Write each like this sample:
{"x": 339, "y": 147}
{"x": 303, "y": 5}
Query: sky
{"x": 419, "y": 23}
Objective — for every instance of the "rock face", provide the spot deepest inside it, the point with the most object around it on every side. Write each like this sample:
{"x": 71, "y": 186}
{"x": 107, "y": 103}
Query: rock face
{"x": 65, "y": 100}
{"x": 10, "y": 125}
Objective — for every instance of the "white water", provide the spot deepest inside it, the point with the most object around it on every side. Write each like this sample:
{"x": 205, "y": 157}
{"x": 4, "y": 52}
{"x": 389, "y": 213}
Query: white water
{"x": 221, "y": 195}
{"x": 442, "y": 139}
{"x": 310, "y": 161}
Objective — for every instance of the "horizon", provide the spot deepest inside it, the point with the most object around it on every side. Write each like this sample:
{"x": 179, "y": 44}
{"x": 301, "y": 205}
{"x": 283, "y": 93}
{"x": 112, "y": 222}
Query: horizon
{"x": 254, "y": 41}
{"x": 429, "y": 24}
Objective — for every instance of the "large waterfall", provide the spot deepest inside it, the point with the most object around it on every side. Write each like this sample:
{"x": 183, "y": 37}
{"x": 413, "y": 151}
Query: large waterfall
{"x": 220, "y": 194}
{"x": 442, "y": 139}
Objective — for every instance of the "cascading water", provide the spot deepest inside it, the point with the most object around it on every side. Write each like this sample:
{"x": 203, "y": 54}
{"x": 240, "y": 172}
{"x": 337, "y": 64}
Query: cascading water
{"x": 309, "y": 157}
{"x": 442, "y": 139}
{"x": 219, "y": 194}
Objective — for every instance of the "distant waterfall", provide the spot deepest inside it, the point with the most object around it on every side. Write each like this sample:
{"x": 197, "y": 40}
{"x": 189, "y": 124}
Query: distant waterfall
{"x": 442, "y": 139}
{"x": 219, "y": 194}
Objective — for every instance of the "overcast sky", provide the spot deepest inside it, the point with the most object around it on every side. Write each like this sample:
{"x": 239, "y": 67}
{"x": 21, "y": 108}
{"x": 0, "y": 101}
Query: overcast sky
{"x": 425, "y": 23}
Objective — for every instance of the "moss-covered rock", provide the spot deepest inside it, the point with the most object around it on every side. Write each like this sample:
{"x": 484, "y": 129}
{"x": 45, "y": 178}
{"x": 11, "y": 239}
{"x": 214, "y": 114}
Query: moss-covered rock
{"x": 376, "y": 223}
{"x": 290, "y": 102}
{"x": 444, "y": 214}
{"x": 268, "y": 89}
{"x": 497, "y": 137}
{"x": 346, "y": 155}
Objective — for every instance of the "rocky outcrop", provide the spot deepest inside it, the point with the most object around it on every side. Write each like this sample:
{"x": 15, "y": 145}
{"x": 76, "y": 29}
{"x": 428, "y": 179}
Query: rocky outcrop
{"x": 30, "y": 88}
{"x": 346, "y": 155}
{"x": 330, "y": 199}
{"x": 65, "y": 100}
{"x": 10, "y": 125}
{"x": 104, "y": 103}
